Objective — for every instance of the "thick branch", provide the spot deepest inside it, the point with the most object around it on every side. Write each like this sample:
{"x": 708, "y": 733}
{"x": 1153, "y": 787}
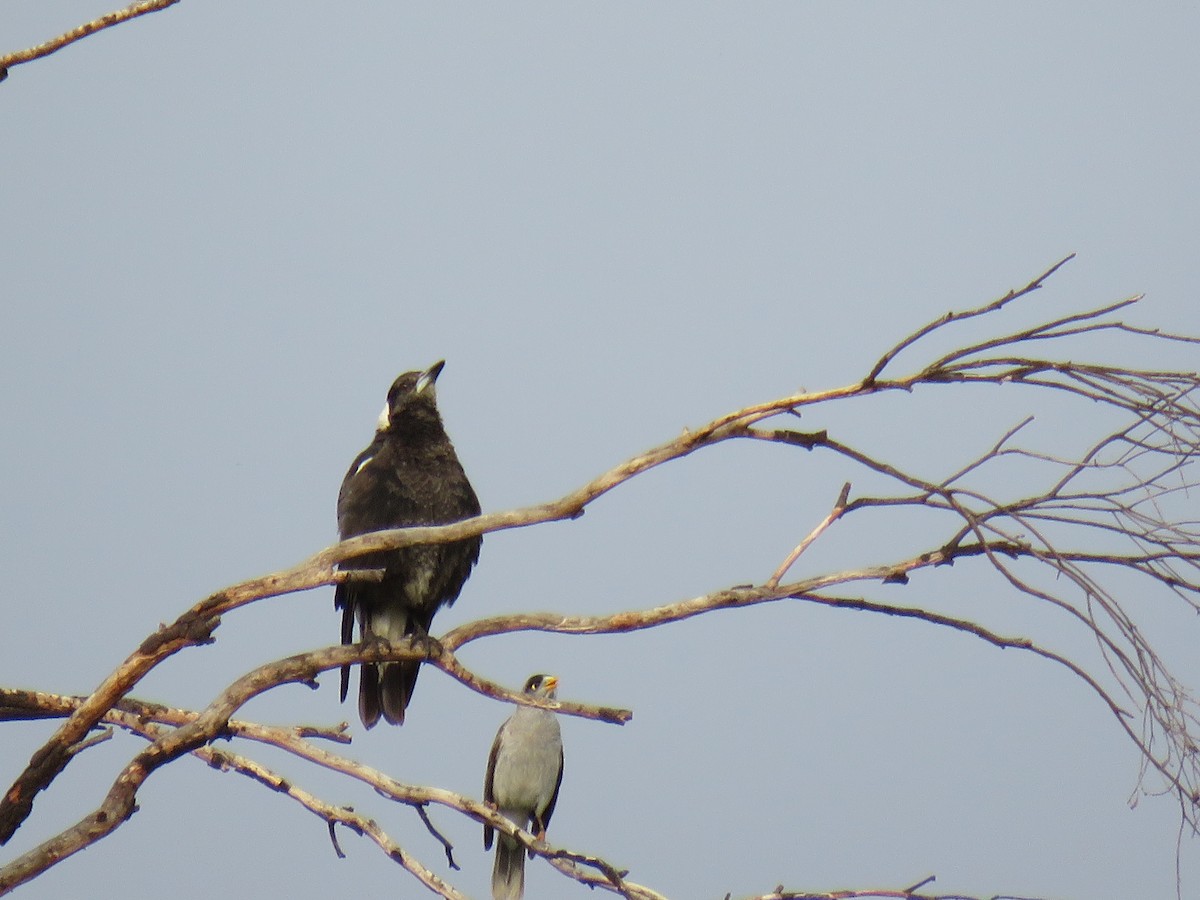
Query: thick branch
{"x": 1114, "y": 488}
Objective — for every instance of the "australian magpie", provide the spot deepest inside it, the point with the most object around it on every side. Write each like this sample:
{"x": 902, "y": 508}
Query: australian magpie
{"x": 409, "y": 475}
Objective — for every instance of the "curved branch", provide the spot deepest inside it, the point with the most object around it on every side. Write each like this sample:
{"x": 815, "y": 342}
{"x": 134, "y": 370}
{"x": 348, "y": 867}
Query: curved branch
{"x": 1132, "y": 466}
{"x": 875, "y": 894}
{"x": 174, "y": 733}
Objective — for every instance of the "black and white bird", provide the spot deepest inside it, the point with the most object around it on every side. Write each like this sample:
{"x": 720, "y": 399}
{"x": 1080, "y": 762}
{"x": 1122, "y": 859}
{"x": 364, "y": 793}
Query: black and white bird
{"x": 409, "y": 475}
{"x": 524, "y": 772}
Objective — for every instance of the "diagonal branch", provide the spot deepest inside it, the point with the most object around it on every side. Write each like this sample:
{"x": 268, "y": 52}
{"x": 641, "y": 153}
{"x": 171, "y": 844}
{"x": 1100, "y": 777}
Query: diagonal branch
{"x": 171, "y": 731}
{"x": 1118, "y": 487}
{"x": 132, "y": 11}
{"x": 951, "y": 317}
{"x": 196, "y": 626}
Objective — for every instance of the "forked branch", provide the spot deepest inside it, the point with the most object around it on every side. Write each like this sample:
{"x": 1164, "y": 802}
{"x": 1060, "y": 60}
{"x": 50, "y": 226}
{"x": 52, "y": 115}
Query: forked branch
{"x": 1113, "y": 505}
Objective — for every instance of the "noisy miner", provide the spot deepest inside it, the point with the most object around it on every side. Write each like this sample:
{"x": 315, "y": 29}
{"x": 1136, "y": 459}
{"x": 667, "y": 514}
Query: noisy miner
{"x": 524, "y": 772}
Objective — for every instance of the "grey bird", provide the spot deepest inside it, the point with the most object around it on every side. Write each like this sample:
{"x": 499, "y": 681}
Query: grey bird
{"x": 409, "y": 475}
{"x": 524, "y": 772}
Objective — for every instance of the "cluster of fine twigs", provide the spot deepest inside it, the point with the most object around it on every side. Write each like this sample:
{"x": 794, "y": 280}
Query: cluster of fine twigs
{"x": 1106, "y": 509}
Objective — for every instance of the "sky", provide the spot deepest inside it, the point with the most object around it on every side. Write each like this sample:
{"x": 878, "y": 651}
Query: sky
{"x": 228, "y": 227}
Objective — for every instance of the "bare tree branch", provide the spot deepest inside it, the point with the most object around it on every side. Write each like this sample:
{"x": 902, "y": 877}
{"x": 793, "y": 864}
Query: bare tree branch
{"x": 874, "y": 894}
{"x": 839, "y": 508}
{"x": 162, "y": 726}
{"x": 951, "y": 317}
{"x": 1108, "y": 506}
{"x": 75, "y": 34}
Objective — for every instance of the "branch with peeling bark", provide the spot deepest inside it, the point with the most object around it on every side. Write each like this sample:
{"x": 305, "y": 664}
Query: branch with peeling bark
{"x": 154, "y": 722}
{"x": 912, "y": 893}
{"x": 1052, "y": 544}
{"x": 133, "y": 11}
{"x": 176, "y": 732}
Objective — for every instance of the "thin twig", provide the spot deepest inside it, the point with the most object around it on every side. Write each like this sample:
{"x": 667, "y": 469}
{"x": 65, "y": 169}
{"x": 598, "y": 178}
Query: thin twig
{"x": 1117, "y": 487}
{"x": 951, "y": 317}
{"x": 449, "y": 847}
{"x": 839, "y": 507}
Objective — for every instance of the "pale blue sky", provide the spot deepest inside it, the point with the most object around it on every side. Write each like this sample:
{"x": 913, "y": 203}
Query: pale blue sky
{"x": 227, "y": 227}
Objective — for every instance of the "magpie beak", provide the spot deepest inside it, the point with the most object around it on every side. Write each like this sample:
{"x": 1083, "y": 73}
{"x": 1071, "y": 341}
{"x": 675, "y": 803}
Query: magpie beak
{"x": 429, "y": 376}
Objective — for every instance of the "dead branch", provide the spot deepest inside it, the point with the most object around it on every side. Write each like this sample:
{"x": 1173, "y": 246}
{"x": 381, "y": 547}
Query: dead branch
{"x": 874, "y": 894}
{"x": 132, "y": 11}
{"x": 839, "y": 508}
{"x": 1119, "y": 490}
